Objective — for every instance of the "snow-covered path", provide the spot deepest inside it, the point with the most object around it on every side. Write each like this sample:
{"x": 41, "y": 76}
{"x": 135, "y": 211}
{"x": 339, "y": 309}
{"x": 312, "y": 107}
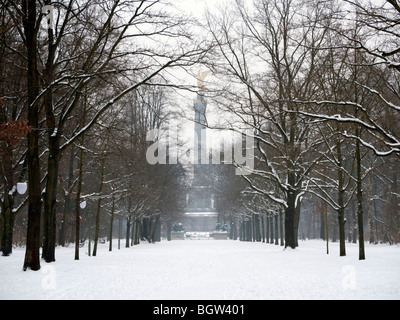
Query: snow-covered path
{"x": 208, "y": 270}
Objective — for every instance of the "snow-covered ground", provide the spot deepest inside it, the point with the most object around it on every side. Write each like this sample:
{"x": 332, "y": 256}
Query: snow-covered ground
{"x": 208, "y": 270}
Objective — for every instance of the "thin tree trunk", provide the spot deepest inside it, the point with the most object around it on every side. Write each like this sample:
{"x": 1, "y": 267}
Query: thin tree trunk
{"x": 7, "y": 225}
{"x": 372, "y": 236}
{"x": 137, "y": 232}
{"x": 78, "y": 207}
{"x": 263, "y": 228}
{"x": 342, "y": 234}
{"x": 282, "y": 228}
{"x": 290, "y": 221}
{"x": 50, "y": 195}
{"x": 110, "y": 238}
{"x": 354, "y": 220}
{"x": 133, "y": 232}
{"x": 119, "y": 232}
{"x": 7, "y": 214}
{"x": 323, "y": 223}
{"x": 272, "y": 230}
{"x": 1, "y": 227}
{"x": 152, "y": 228}
{"x": 32, "y": 256}
{"x": 360, "y": 211}
{"x": 341, "y": 194}
{"x": 128, "y": 230}
{"x": 96, "y": 236}
{"x": 129, "y": 219}
{"x": 326, "y": 228}
{"x": 67, "y": 201}
{"x": 50, "y": 207}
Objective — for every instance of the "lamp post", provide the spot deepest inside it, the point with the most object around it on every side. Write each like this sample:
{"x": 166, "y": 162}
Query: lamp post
{"x": 83, "y": 206}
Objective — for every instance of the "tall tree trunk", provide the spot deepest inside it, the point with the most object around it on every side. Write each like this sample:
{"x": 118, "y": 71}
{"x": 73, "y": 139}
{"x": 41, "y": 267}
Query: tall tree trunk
{"x": 297, "y": 222}
{"x": 67, "y": 202}
{"x": 129, "y": 219}
{"x": 323, "y": 224}
{"x": 342, "y": 232}
{"x": 169, "y": 231}
{"x": 156, "y": 234}
{"x": 7, "y": 214}
{"x": 78, "y": 205}
{"x": 354, "y": 222}
{"x": 110, "y": 237}
{"x": 133, "y": 236}
{"x": 152, "y": 229}
{"x": 7, "y": 225}
{"x": 372, "y": 236}
{"x": 290, "y": 220}
{"x": 137, "y": 232}
{"x": 1, "y": 227}
{"x": 128, "y": 231}
{"x": 119, "y": 232}
{"x": 341, "y": 195}
{"x": 50, "y": 196}
{"x": 276, "y": 230}
{"x": 79, "y": 189}
{"x": 360, "y": 211}
{"x": 32, "y": 256}
{"x": 50, "y": 206}
{"x": 281, "y": 228}
{"x": 96, "y": 236}
{"x": 263, "y": 228}
{"x": 272, "y": 229}
{"x": 326, "y": 227}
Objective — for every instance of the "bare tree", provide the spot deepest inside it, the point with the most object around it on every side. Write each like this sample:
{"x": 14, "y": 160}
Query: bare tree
{"x": 86, "y": 46}
{"x": 270, "y": 58}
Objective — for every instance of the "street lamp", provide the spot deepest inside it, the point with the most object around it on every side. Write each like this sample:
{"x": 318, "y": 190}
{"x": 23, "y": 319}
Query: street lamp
{"x": 83, "y": 204}
{"x": 48, "y": 11}
{"x": 22, "y": 187}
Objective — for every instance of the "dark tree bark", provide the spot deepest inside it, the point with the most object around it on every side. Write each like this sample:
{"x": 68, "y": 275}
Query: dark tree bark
{"x": 32, "y": 256}
{"x": 110, "y": 237}
{"x": 290, "y": 221}
{"x": 341, "y": 197}
{"x": 128, "y": 231}
{"x": 137, "y": 232}
{"x": 7, "y": 226}
{"x": 360, "y": 211}
{"x": 7, "y": 204}
{"x": 67, "y": 201}
{"x": 78, "y": 208}
{"x": 50, "y": 196}
{"x": 96, "y": 236}
{"x": 281, "y": 229}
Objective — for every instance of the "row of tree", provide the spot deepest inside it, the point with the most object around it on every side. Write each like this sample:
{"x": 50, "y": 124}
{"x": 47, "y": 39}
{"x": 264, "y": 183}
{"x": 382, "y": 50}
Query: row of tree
{"x": 69, "y": 67}
{"x": 317, "y": 84}
{"x": 83, "y": 82}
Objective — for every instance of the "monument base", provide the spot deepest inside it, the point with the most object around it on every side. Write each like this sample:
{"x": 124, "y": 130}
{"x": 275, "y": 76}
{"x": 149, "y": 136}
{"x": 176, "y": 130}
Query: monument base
{"x": 220, "y": 235}
{"x": 200, "y": 221}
